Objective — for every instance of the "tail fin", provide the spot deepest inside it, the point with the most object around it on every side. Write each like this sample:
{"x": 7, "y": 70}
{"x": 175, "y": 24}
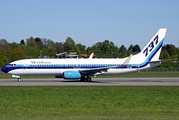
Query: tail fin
{"x": 152, "y": 50}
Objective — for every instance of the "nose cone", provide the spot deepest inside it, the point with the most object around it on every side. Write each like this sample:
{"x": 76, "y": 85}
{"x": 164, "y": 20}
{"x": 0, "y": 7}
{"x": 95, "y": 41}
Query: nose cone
{"x": 4, "y": 69}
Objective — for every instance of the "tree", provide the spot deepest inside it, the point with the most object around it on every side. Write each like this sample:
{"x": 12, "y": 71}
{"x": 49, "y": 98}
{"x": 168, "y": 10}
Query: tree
{"x": 97, "y": 49}
{"x": 14, "y": 45}
{"x": 107, "y": 49}
{"x": 90, "y": 50}
{"x": 136, "y": 48}
{"x": 31, "y": 42}
{"x": 129, "y": 52}
{"x": 45, "y": 52}
{"x": 171, "y": 49}
{"x": 104, "y": 49}
{"x": 122, "y": 51}
{"x": 82, "y": 48}
{"x": 115, "y": 53}
{"x": 31, "y": 48}
{"x": 44, "y": 41}
{"x": 59, "y": 47}
{"x": 164, "y": 55}
{"x": 39, "y": 43}
{"x": 51, "y": 47}
{"x": 22, "y": 42}
{"x": 131, "y": 48}
{"x": 3, "y": 54}
{"x": 70, "y": 46}
{"x": 4, "y": 44}
{"x": 33, "y": 52}
{"x": 16, "y": 54}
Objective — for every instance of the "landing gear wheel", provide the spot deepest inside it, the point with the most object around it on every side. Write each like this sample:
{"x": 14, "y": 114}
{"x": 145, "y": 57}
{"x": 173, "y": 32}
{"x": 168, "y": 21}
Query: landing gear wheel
{"x": 18, "y": 80}
{"x": 82, "y": 78}
{"x": 88, "y": 79}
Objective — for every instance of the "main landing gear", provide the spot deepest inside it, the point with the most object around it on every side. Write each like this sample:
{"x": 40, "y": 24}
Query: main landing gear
{"x": 83, "y": 79}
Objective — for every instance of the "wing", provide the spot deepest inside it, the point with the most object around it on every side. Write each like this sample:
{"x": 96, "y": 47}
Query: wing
{"x": 99, "y": 70}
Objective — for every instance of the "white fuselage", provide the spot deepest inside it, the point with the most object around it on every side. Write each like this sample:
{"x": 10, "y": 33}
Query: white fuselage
{"x": 56, "y": 67}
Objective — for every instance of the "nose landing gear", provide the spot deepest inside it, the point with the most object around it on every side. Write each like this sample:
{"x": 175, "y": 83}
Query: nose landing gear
{"x": 19, "y": 80}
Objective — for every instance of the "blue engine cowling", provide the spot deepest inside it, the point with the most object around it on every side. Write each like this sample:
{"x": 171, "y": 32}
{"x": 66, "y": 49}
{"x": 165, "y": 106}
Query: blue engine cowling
{"x": 71, "y": 75}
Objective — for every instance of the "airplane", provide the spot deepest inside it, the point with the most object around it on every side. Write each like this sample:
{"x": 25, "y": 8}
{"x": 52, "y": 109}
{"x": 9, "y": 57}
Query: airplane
{"x": 84, "y": 68}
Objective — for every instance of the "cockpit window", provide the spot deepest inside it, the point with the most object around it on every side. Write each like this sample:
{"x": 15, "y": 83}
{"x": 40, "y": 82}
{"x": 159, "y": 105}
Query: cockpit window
{"x": 12, "y": 64}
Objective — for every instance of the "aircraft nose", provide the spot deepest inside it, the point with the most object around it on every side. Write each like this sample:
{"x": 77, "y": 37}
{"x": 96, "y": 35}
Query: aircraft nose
{"x": 4, "y": 69}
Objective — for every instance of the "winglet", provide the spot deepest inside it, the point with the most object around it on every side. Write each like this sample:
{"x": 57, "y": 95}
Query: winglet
{"x": 127, "y": 61}
{"x": 91, "y": 56}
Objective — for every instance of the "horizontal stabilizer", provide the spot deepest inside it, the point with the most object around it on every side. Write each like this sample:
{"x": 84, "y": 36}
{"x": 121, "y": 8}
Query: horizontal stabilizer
{"x": 162, "y": 60}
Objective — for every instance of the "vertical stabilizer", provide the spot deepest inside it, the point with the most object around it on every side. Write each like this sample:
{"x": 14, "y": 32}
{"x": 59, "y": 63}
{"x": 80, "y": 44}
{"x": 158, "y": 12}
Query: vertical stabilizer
{"x": 152, "y": 50}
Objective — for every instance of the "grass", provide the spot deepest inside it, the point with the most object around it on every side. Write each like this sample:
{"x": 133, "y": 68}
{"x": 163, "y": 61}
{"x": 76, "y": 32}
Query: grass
{"x": 89, "y": 103}
{"x": 141, "y": 74}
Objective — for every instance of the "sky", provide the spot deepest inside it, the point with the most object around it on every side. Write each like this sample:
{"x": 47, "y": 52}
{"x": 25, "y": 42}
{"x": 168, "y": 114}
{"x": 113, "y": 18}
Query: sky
{"x": 123, "y": 22}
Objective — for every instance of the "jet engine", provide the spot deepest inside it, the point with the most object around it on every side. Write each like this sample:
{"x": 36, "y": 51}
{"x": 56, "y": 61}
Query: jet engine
{"x": 71, "y": 75}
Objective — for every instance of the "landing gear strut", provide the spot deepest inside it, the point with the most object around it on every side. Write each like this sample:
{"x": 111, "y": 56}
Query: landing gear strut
{"x": 82, "y": 78}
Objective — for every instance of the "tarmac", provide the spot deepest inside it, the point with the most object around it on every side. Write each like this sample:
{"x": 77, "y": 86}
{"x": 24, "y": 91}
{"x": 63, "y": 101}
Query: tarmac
{"x": 172, "y": 81}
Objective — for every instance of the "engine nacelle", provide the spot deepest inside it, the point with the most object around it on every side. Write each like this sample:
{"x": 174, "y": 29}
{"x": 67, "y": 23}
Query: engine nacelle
{"x": 71, "y": 75}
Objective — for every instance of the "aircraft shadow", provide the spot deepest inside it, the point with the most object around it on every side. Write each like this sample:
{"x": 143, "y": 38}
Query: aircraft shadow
{"x": 83, "y": 81}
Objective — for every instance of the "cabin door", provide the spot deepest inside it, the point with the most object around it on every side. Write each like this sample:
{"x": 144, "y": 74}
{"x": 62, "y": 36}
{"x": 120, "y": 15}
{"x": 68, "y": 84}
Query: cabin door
{"x": 24, "y": 67}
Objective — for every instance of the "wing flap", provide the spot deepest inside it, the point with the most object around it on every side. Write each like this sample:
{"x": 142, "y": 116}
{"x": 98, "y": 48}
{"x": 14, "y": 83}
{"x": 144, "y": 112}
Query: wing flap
{"x": 94, "y": 70}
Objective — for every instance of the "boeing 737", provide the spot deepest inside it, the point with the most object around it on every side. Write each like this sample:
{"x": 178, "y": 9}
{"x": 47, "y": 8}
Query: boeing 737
{"x": 84, "y": 68}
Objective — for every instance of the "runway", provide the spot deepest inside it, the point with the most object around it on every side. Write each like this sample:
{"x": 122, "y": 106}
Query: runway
{"x": 95, "y": 82}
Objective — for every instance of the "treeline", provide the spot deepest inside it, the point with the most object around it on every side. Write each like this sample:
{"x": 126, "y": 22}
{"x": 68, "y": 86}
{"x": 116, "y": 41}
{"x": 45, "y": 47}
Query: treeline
{"x": 35, "y": 47}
